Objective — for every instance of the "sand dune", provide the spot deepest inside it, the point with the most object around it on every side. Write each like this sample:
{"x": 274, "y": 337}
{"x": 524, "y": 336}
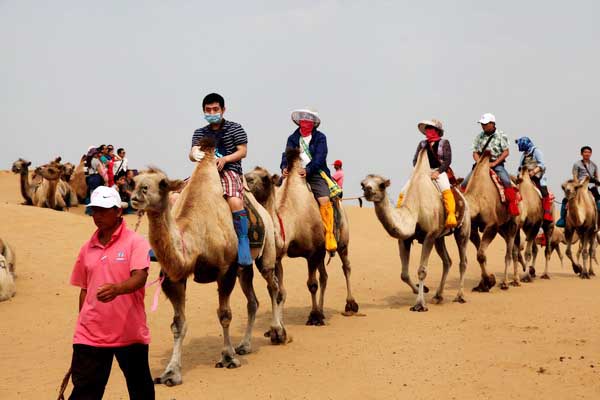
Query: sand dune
{"x": 538, "y": 341}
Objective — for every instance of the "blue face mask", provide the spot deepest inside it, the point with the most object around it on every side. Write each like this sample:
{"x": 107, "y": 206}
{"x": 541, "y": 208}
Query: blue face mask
{"x": 212, "y": 118}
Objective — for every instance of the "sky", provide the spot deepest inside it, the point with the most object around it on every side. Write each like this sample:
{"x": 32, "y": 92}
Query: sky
{"x": 133, "y": 74}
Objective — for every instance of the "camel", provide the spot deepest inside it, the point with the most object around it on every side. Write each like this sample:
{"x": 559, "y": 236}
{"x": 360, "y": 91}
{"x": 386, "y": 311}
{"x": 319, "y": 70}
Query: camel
{"x": 75, "y": 177}
{"x": 582, "y": 218}
{"x": 530, "y": 220}
{"x": 421, "y": 216}
{"x": 490, "y": 216}
{"x": 7, "y": 271}
{"x": 43, "y": 194}
{"x": 64, "y": 186}
{"x": 196, "y": 236}
{"x": 295, "y": 211}
{"x": 57, "y": 190}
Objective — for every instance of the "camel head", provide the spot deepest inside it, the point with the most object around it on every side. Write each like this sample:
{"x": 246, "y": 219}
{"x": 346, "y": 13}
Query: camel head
{"x": 152, "y": 188}
{"x": 20, "y": 166}
{"x": 374, "y": 187}
{"x": 571, "y": 186}
{"x": 69, "y": 170}
{"x": 261, "y": 183}
{"x": 50, "y": 171}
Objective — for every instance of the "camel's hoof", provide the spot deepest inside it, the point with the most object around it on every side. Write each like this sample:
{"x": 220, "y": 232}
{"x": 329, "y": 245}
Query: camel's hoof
{"x": 351, "y": 306}
{"x": 491, "y": 281}
{"x": 592, "y": 273}
{"x": 545, "y": 276}
{"x": 437, "y": 299}
{"x": 228, "y": 362}
{"x": 459, "y": 299}
{"x": 515, "y": 283}
{"x": 481, "y": 288}
{"x": 577, "y": 269}
{"x": 419, "y": 308}
{"x": 277, "y": 337}
{"x": 243, "y": 349}
{"x": 503, "y": 286}
{"x": 584, "y": 275}
{"x": 532, "y": 271}
{"x": 316, "y": 318}
{"x": 527, "y": 279}
{"x": 169, "y": 379}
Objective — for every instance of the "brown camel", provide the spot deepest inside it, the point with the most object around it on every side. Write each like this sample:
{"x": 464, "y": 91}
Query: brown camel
{"x": 582, "y": 218}
{"x": 55, "y": 198}
{"x": 7, "y": 271}
{"x": 196, "y": 236}
{"x": 422, "y": 217}
{"x": 530, "y": 220}
{"x": 491, "y": 217}
{"x": 43, "y": 194}
{"x": 295, "y": 212}
{"x": 75, "y": 177}
{"x": 64, "y": 186}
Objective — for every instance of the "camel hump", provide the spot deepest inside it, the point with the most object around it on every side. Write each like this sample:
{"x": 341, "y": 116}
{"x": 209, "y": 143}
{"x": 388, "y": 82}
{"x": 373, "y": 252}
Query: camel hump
{"x": 422, "y": 161}
{"x": 292, "y": 154}
{"x": 208, "y": 144}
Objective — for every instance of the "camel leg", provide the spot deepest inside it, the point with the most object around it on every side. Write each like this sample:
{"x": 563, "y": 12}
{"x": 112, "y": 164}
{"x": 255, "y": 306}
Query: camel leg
{"x": 277, "y": 331}
{"x": 560, "y": 254}
{"x": 226, "y": 284}
{"x": 246, "y": 276}
{"x": 351, "y": 304}
{"x": 404, "y": 247}
{"x": 548, "y": 230}
{"x": 569, "y": 252}
{"x": 322, "y": 285}
{"x": 487, "y": 280}
{"x": 586, "y": 250}
{"x": 440, "y": 248}
{"x": 508, "y": 232}
{"x": 420, "y": 305}
{"x": 515, "y": 256}
{"x": 593, "y": 246}
{"x": 175, "y": 292}
{"x": 462, "y": 241}
{"x": 315, "y": 317}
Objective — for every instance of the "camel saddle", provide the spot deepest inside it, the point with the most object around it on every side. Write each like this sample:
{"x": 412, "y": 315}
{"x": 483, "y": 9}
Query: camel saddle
{"x": 256, "y": 226}
{"x": 498, "y": 184}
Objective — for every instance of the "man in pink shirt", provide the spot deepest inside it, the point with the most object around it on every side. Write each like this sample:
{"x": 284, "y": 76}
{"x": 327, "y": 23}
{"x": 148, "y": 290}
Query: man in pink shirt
{"x": 338, "y": 175}
{"x": 111, "y": 270}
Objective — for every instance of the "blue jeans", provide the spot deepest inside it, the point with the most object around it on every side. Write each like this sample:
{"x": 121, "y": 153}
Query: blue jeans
{"x": 500, "y": 171}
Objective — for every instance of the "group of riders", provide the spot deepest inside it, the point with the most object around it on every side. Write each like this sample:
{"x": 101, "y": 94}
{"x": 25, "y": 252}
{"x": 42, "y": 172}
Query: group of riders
{"x": 231, "y": 147}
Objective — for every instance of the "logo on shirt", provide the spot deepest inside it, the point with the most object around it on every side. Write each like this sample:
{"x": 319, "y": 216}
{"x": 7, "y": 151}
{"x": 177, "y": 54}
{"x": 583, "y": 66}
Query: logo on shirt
{"x": 120, "y": 256}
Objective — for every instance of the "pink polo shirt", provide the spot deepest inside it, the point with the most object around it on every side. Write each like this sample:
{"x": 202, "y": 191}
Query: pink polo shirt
{"x": 338, "y": 176}
{"x": 122, "y": 321}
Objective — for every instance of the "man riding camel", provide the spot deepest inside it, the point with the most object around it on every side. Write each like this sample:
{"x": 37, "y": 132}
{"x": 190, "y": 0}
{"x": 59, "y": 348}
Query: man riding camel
{"x": 532, "y": 159}
{"x": 231, "y": 148}
{"x": 496, "y": 142}
{"x": 313, "y": 156}
{"x": 439, "y": 154}
{"x": 581, "y": 169}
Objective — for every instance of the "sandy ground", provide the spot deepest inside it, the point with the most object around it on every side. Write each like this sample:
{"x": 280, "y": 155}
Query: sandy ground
{"x": 537, "y": 341}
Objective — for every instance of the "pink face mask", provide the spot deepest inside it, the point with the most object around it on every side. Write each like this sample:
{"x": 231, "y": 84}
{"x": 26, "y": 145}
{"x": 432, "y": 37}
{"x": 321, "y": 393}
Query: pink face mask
{"x": 432, "y": 135}
{"x": 306, "y": 127}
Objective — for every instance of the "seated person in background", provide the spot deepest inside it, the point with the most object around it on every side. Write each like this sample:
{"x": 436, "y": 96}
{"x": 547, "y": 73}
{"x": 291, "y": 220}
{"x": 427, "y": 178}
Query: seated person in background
{"x": 124, "y": 192}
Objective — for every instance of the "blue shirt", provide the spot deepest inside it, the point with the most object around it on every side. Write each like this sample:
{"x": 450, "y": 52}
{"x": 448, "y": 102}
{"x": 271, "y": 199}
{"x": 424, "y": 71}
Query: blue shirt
{"x": 317, "y": 148}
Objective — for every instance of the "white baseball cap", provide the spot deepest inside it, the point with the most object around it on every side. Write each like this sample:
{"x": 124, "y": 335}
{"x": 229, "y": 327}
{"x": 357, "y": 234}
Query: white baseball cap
{"x": 105, "y": 197}
{"x": 487, "y": 118}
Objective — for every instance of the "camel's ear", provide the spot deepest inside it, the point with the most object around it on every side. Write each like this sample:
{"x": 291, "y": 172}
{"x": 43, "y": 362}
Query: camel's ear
{"x": 171, "y": 185}
{"x": 275, "y": 179}
{"x": 387, "y": 183}
{"x": 459, "y": 180}
{"x": 58, "y": 159}
{"x": 28, "y": 163}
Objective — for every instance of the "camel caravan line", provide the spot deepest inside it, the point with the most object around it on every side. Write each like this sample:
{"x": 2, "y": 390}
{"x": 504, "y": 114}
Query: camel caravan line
{"x": 192, "y": 235}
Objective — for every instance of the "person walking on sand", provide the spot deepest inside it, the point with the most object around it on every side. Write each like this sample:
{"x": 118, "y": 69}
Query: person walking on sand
{"x": 111, "y": 271}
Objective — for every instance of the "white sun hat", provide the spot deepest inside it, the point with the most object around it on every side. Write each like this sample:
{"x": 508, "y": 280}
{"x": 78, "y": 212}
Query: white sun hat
{"x": 487, "y": 118}
{"x": 306, "y": 113}
{"x": 105, "y": 197}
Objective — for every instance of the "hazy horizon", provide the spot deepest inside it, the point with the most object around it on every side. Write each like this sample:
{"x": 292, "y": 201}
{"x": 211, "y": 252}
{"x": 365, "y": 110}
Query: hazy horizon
{"x": 78, "y": 73}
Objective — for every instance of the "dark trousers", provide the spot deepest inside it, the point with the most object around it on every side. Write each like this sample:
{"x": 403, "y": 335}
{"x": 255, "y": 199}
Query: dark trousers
{"x": 91, "y": 368}
{"x": 595, "y": 193}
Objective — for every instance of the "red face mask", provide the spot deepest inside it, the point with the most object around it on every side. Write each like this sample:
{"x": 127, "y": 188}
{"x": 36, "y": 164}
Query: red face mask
{"x": 306, "y": 127}
{"x": 432, "y": 135}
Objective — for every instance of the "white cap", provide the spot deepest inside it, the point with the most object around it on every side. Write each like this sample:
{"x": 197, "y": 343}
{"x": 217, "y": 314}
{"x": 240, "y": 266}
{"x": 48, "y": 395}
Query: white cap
{"x": 487, "y": 118}
{"x": 105, "y": 197}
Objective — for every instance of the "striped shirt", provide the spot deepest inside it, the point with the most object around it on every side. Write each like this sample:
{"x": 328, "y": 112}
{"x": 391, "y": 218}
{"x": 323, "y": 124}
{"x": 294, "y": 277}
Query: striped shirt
{"x": 228, "y": 137}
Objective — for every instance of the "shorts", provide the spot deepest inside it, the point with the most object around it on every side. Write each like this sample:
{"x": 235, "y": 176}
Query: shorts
{"x": 232, "y": 184}
{"x": 318, "y": 186}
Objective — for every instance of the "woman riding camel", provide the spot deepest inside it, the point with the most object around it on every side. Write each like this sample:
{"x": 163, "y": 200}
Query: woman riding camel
{"x": 533, "y": 160}
{"x": 313, "y": 155}
{"x": 439, "y": 154}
